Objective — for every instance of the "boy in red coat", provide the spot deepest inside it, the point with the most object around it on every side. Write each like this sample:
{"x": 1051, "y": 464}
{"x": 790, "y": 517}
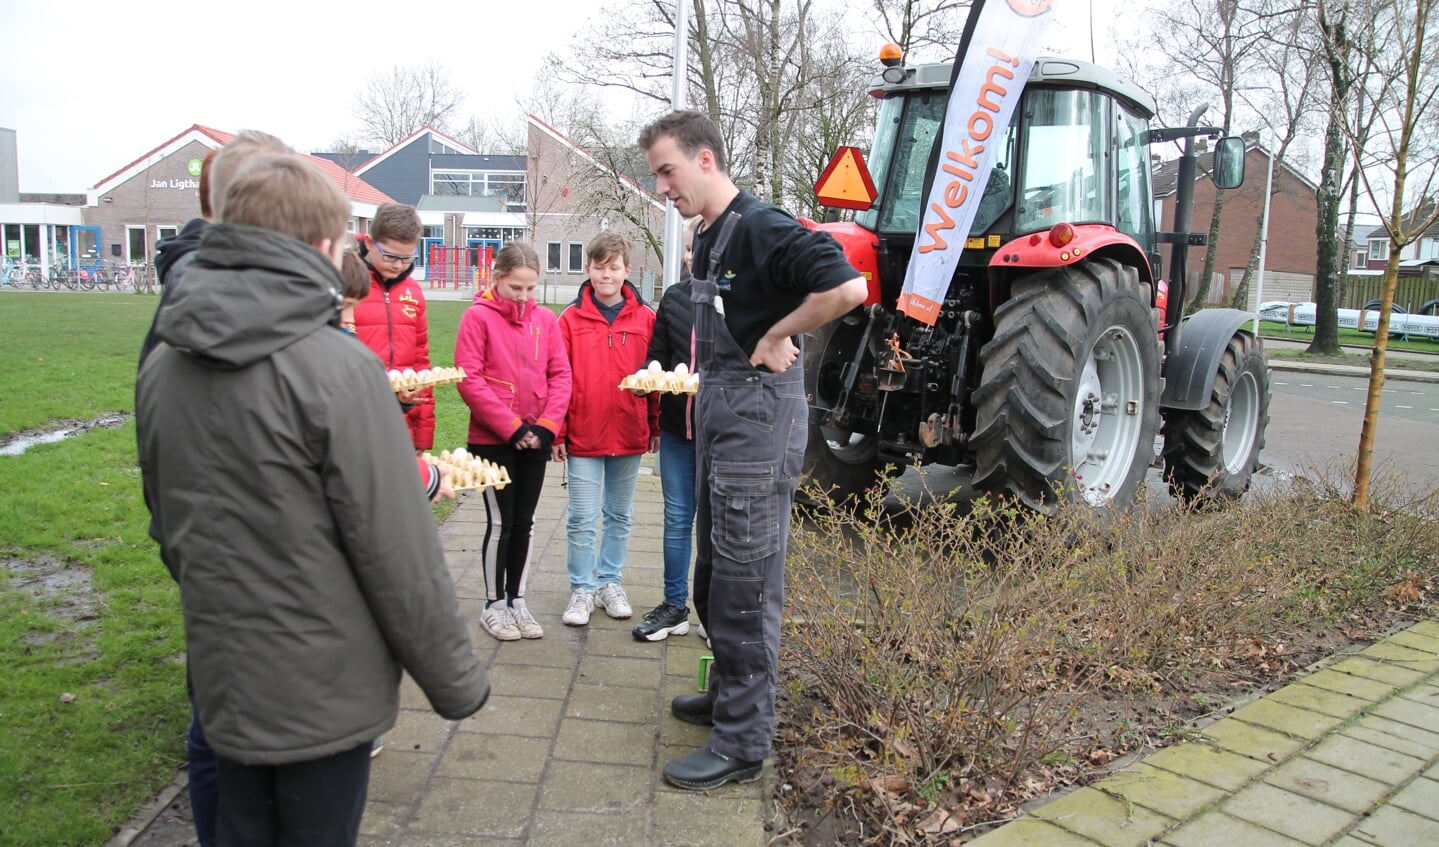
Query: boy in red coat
{"x": 391, "y": 320}
{"x": 607, "y": 332}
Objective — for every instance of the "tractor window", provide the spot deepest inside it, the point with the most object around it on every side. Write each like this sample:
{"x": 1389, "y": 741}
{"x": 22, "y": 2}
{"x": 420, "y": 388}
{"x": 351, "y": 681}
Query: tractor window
{"x": 905, "y": 138}
{"x": 1065, "y": 172}
{"x": 1132, "y": 175}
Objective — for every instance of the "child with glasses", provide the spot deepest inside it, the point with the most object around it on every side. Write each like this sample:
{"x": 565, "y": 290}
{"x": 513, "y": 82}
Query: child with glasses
{"x": 391, "y": 319}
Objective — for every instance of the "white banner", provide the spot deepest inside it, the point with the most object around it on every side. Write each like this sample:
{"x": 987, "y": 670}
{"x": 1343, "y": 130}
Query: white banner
{"x": 991, "y": 78}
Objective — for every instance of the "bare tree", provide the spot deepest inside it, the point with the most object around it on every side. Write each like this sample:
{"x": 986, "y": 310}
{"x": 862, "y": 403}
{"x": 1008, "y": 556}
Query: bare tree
{"x": 492, "y": 136}
{"x": 1286, "y": 69}
{"x": 395, "y": 103}
{"x": 754, "y": 68}
{"x": 1213, "y": 43}
{"x": 1402, "y": 98}
{"x": 1336, "y": 20}
{"x": 931, "y": 29}
{"x": 831, "y": 113}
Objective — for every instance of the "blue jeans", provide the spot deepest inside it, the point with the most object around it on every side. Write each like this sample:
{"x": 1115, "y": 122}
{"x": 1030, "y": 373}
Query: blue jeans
{"x": 600, "y": 484}
{"x": 204, "y": 780}
{"x": 677, "y": 480}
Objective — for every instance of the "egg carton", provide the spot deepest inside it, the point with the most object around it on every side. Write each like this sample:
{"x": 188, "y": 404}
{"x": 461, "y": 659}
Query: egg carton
{"x": 656, "y": 378}
{"x": 465, "y": 472}
{"x": 413, "y": 380}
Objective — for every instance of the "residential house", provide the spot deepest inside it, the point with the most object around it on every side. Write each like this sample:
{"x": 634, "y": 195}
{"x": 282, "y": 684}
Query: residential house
{"x": 1418, "y": 258}
{"x": 1293, "y": 218}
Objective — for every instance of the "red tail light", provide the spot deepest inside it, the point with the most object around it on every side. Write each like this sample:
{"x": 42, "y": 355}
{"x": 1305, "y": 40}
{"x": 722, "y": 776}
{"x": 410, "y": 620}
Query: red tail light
{"x": 1061, "y": 234}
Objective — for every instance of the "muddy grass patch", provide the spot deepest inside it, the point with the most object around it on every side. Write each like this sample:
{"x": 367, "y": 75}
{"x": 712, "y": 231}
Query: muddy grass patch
{"x": 60, "y": 604}
{"x": 942, "y": 670}
{"x": 16, "y": 443}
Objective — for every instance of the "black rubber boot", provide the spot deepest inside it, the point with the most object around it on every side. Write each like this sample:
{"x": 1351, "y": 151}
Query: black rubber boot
{"x": 705, "y": 769}
{"x": 697, "y": 709}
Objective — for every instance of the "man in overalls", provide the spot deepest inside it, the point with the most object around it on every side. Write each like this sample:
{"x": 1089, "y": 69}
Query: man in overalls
{"x": 760, "y": 281}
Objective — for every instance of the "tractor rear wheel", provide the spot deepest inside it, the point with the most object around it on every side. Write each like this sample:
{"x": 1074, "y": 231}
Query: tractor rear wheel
{"x": 1211, "y": 454}
{"x": 1068, "y": 402}
{"x": 837, "y": 462}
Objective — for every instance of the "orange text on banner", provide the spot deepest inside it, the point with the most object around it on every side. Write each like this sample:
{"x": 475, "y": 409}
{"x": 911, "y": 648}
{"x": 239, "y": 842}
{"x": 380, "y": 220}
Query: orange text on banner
{"x": 922, "y": 309}
{"x": 959, "y": 165}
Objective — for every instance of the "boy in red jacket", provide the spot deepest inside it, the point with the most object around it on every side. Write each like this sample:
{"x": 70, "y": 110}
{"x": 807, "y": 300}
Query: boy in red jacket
{"x": 391, "y": 320}
{"x": 607, "y": 332}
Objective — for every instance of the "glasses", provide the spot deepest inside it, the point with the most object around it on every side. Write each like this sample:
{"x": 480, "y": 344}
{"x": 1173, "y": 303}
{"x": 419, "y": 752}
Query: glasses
{"x": 394, "y": 258}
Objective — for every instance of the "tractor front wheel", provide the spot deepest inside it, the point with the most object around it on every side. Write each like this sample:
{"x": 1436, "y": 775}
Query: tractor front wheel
{"x": 1211, "y": 454}
{"x": 840, "y": 463}
{"x": 1068, "y": 401}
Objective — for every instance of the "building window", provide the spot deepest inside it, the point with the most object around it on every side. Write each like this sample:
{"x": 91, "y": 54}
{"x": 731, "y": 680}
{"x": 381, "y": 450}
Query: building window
{"x": 135, "y": 250}
{"x": 577, "y": 258}
{"x": 1361, "y": 260}
{"x": 1378, "y": 249}
{"x": 164, "y": 232}
{"x": 552, "y": 254}
{"x": 508, "y": 187}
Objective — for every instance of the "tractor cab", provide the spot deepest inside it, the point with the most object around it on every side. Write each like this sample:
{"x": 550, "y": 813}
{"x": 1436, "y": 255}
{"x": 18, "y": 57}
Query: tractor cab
{"x": 1076, "y": 152}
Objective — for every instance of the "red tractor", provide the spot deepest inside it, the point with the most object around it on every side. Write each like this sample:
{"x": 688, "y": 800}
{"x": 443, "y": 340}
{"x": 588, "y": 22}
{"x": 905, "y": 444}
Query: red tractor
{"x": 1059, "y": 346}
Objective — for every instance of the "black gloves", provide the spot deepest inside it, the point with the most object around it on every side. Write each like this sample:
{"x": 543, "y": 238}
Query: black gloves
{"x": 547, "y": 438}
{"x": 519, "y": 436}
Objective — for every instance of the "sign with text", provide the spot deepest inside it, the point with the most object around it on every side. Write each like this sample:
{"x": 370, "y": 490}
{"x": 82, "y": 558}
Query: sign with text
{"x": 995, "y": 57}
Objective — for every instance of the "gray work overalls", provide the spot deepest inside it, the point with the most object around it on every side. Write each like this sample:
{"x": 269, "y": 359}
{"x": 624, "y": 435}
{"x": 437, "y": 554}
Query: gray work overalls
{"x": 749, "y": 447}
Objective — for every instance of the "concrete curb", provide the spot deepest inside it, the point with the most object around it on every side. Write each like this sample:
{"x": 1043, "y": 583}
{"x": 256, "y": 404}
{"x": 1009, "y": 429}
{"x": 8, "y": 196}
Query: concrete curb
{"x": 1350, "y": 370}
{"x": 1347, "y": 754}
{"x": 147, "y": 815}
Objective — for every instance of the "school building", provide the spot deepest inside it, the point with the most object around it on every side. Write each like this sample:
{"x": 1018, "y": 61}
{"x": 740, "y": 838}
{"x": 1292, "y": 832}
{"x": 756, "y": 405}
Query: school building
{"x": 557, "y": 196}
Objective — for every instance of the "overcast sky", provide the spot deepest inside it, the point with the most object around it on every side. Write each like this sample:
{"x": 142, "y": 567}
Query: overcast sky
{"x": 90, "y": 85}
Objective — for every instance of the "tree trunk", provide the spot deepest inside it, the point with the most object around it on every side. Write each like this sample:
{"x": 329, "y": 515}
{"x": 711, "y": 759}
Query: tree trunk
{"x": 1201, "y": 286}
{"x": 1326, "y": 233}
{"x": 1364, "y": 466}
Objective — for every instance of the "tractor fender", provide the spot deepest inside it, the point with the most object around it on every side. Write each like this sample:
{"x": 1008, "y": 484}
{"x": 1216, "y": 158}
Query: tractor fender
{"x": 1035, "y": 250}
{"x": 1189, "y": 372}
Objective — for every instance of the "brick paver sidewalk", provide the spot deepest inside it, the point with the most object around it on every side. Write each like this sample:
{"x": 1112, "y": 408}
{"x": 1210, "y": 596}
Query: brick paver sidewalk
{"x": 568, "y": 749}
{"x": 1349, "y": 755}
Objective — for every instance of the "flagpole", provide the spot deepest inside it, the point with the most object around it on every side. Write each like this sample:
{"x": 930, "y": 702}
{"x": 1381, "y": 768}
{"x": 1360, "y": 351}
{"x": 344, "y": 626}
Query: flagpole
{"x": 674, "y": 248}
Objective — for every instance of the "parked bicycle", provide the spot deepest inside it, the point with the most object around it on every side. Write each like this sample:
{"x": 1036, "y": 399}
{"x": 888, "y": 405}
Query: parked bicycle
{"x": 15, "y": 273}
{"x": 62, "y": 276}
{"x": 122, "y": 276}
{"x": 144, "y": 280}
{"x": 36, "y": 278}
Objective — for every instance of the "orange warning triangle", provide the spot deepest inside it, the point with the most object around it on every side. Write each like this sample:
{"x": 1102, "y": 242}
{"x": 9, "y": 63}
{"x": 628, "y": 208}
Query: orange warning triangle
{"x": 846, "y": 183}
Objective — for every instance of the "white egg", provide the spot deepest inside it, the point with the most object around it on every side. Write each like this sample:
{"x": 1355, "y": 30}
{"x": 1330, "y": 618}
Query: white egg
{"x": 681, "y": 369}
{"x": 656, "y": 367}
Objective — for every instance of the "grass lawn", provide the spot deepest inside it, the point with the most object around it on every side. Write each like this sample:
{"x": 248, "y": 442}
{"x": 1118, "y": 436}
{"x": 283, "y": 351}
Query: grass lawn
{"x": 92, "y": 676}
{"x": 1350, "y": 337}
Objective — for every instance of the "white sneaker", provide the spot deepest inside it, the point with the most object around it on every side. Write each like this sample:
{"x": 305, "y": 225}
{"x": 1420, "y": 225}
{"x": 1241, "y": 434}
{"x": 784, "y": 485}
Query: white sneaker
{"x": 614, "y": 601}
{"x": 577, "y": 613}
{"x": 524, "y": 621}
{"x": 499, "y": 623}
{"x": 700, "y": 631}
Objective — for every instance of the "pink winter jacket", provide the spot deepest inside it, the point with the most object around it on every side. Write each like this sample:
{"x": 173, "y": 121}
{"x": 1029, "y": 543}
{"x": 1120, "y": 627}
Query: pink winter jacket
{"x": 516, "y": 366}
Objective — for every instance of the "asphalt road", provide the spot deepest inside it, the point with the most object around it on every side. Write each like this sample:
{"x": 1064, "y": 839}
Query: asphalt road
{"x": 1315, "y": 422}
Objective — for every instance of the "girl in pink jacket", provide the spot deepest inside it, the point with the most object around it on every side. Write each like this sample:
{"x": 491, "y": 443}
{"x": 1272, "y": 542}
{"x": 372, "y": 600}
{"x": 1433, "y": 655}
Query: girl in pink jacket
{"x": 518, "y": 390}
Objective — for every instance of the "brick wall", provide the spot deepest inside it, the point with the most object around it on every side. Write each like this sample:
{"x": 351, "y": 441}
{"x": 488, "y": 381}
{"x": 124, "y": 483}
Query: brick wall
{"x": 1293, "y": 216}
{"x": 570, "y": 202}
{"x": 165, "y": 194}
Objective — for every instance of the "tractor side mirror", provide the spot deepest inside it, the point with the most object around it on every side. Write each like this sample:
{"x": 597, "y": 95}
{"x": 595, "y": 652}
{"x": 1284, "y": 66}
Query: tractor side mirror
{"x": 1229, "y": 162}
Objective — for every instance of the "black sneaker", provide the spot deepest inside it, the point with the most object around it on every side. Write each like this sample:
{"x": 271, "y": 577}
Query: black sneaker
{"x": 663, "y": 621}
